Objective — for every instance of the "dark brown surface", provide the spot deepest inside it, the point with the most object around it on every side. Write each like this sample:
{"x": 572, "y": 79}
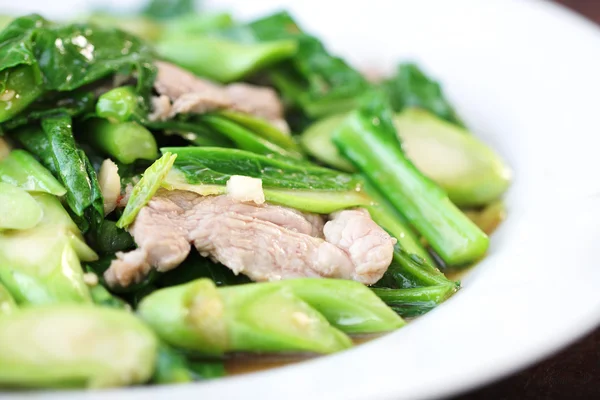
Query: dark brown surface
{"x": 574, "y": 373}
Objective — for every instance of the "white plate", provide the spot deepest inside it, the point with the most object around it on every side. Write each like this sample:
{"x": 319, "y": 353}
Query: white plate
{"x": 526, "y": 76}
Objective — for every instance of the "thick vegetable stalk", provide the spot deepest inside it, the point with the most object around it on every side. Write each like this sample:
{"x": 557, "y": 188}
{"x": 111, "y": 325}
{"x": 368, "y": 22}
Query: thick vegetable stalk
{"x": 21, "y": 169}
{"x": 296, "y": 184}
{"x": 19, "y": 210}
{"x": 412, "y": 302}
{"x": 469, "y": 171}
{"x": 75, "y": 346}
{"x": 384, "y": 214}
{"x": 348, "y": 305}
{"x": 124, "y": 141}
{"x": 41, "y": 265}
{"x": 369, "y": 140}
{"x": 254, "y": 317}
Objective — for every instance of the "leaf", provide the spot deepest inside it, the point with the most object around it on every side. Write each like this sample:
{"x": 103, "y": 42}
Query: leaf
{"x": 70, "y": 56}
{"x": 94, "y": 214}
{"x": 313, "y": 79}
{"x": 68, "y": 163}
{"x": 166, "y": 9}
{"x": 213, "y": 165}
{"x": 144, "y": 190}
{"x": 410, "y": 87}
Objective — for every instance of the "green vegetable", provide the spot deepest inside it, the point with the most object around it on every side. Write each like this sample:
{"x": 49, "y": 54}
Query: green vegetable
{"x": 74, "y": 346}
{"x": 195, "y": 267}
{"x": 384, "y": 214}
{"x": 314, "y": 80}
{"x": 67, "y": 57}
{"x": 317, "y": 141}
{"x": 220, "y": 59}
{"x": 120, "y": 104}
{"x": 125, "y": 141}
{"x": 245, "y": 139}
{"x": 7, "y": 303}
{"x": 67, "y": 162}
{"x": 196, "y": 24}
{"x": 109, "y": 239}
{"x": 410, "y": 271}
{"x": 300, "y": 185}
{"x": 348, "y": 305}
{"x": 173, "y": 367}
{"x": 94, "y": 214}
{"x": 167, "y": 9}
{"x": 41, "y": 265}
{"x": 21, "y": 169}
{"x": 137, "y": 25}
{"x": 19, "y": 87}
{"x": 410, "y": 87}
{"x": 193, "y": 131}
{"x": 73, "y": 103}
{"x": 262, "y": 128}
{"x": 144, "y": 190}
{"x": 415, "y": 301}
{"x": 19, "y": 209}
{"x": 102, "y": 297}
{"x": 252, "y": 317}
{"x": 369, "y": 140}
{"x": 470, "y": 172}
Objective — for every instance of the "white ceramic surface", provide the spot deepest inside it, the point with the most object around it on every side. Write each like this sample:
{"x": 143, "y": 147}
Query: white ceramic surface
{"x": 526, "y": 76}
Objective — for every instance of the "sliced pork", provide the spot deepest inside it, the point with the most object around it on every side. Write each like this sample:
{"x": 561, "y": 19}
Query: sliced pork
{"x": 181, "y": 92}
{"x": 263, "y": 241}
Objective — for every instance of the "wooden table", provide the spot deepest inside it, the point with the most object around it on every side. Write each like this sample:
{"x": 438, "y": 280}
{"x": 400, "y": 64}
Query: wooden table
{"x": 574, "y": 373}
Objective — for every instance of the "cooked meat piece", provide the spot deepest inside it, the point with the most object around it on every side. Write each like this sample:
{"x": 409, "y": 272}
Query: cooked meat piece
{"x": 161, "y": 108}
{"x": 191, "y": 94}
{"x": 365, "y": 242}
{"x": 265, "y": 242}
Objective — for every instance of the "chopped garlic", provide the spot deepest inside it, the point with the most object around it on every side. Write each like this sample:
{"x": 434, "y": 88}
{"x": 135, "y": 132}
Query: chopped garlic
{"x": 90, "y": 279}
{"x": 110, "y": 185}
{"x": 245, "y": 188}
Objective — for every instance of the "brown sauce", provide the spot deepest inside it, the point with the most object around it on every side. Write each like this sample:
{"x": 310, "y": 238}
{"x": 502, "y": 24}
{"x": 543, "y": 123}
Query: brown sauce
{"x": 238, "y": 364}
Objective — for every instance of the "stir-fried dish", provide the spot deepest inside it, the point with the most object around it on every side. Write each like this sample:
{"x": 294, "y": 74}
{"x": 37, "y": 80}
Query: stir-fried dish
{"x": 179, "y": 187}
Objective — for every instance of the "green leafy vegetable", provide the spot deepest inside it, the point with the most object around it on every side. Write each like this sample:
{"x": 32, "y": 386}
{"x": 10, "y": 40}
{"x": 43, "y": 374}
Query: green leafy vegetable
{"x": 369, "y": 140}
{"x": 348, "y": 305}
{"x": 413, "y": 302}
{"x": 263, "y": 129}
{"x": 195, "y": 267}
{"x": 410, "y": 87}
{"x": 300, "y": 185}
{"x": 109, "y": 239}
{"x": 19, "y": 209}
{"x": 41, "y": 265}
{"x": 313, "y": 79}
{"x": 166, "y": 9}
{"x": 144, "y": 190}
{"x": 19, "y": 88}
{"x": 220, "y": 59}
{"x": 120, "y": 104}
{"x": 125, "y": 141}
{"x": 253, "y": 317}
{"x": 106, "y": 347}
{"x": 21, "y": 169}
{"x": 67, "y": 162}
{"x": 173, "y": 367}
{"x": 67, "y": 57}
{"x": 245, "y": 139}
